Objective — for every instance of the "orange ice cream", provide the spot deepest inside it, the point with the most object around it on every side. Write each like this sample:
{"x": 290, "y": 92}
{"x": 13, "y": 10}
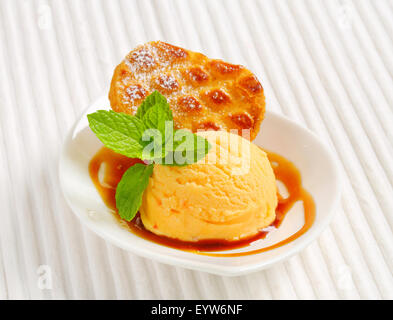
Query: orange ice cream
{"x": 228, "y": 195}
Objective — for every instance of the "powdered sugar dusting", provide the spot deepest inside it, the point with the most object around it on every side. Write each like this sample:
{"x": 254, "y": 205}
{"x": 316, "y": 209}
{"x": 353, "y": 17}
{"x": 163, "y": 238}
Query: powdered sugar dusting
{"x": 166, "y": 82}
{"x": 125, "y": 81}
{"x": 225, "y": 68}
{"x": 189, "y": 103}
{"x": 197, "y": 75}
{"x": 140, "y": 59}
{"x": 134, "y": 93}
{"x": 218, "y": 96}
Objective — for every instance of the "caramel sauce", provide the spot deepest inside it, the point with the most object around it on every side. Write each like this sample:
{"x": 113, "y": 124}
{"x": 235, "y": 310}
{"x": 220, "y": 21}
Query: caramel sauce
{"x": 284, "y": 171}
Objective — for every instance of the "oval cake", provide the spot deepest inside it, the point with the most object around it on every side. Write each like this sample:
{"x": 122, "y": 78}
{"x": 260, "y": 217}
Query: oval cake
{"x": 205, "y": 94}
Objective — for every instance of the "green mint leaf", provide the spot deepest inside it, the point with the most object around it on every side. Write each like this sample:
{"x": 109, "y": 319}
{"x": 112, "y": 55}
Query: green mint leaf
{"x": 158, "y": 124}
{"x": 153, "y": 147}
{"x": 187, "y": 148}
{"x": 130, "y": 190}
{"x": 153, "y": 99}
{"x": 149, "y": 135}
{"x": 156, "y": 118}
{"x": 202, "y": 147}
{"x": 118, "y": 131}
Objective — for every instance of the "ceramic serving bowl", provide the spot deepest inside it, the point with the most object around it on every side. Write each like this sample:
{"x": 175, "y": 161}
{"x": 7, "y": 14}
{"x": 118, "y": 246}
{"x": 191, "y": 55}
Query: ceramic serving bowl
{"x": 317, "y": 164}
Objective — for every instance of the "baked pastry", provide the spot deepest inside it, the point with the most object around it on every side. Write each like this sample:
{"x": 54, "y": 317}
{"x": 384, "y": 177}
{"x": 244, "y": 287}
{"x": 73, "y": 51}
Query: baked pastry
{"x": 203, "y": 93}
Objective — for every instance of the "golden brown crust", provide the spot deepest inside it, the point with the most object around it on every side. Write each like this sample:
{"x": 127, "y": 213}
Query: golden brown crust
{"x": 203, "y": 93}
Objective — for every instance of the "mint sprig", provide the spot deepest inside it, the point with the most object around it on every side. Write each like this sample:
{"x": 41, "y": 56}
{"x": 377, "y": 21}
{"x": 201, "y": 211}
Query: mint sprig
{"x": 118, "y": 131}
{"x": 153, "y": 99}
{"x": 149, "y": 135}
{"x": 130, "y": 190}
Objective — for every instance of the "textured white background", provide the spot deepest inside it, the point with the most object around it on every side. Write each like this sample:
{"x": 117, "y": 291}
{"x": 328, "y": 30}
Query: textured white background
{"x": 326, "y": 64}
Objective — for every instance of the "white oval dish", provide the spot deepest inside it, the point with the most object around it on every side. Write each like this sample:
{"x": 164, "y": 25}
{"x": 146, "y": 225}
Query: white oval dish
{"x": 320, "y": 176}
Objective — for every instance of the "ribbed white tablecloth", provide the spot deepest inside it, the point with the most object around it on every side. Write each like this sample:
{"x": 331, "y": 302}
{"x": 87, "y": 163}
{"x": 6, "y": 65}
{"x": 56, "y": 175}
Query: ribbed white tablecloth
{"x": 326, "y": 64}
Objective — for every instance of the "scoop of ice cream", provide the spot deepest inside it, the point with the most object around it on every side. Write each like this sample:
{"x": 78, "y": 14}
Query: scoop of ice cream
{"x": 228, "y": 195}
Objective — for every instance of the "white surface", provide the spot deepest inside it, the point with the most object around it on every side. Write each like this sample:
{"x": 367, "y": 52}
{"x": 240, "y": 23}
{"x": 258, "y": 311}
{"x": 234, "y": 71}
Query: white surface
{"x": 325, "y": 64}
{"x": 320, "y": 175}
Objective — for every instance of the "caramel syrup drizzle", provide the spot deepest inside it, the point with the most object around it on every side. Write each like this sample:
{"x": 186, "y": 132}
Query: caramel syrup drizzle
{"x": 284, "y": 171}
